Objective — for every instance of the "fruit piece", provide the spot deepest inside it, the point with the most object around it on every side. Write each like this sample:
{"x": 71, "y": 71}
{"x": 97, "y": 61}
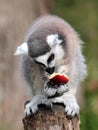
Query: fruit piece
{"x": 58, "y": 78}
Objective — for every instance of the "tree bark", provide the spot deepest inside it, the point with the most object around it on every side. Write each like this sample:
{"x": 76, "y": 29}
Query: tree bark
{"x": 51, "y": 119}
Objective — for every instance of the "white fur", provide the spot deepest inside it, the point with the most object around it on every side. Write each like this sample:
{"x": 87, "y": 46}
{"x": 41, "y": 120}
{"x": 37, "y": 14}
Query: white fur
{"x": 63, "y": 88}
{"x": 59, "y": 52}
{"x": 52, "y": 63}
{"x": 52, "y": 40}
{"x": 52, "y": 91}
{"x": 43, "y": 59}
{"x": 64, "y": 69}
{"x": 22, "y": 49}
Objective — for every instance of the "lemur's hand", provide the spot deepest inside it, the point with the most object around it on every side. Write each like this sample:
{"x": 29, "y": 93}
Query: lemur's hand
{"x": 57, "y": 84}
{"x": 52, "y": 89}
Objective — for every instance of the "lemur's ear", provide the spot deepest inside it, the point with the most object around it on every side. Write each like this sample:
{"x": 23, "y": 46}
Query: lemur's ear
{"x": 53, "y": 40}
{"x": 22, "y": 49}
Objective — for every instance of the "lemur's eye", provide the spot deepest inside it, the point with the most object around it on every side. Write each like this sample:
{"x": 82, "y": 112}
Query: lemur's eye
{"x": 50, "y": 58}
{"x": 40, "y": 64}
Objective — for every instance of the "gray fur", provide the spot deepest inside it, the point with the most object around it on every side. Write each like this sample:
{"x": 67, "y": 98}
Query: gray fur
{"x": 36, "y": 37}
{"x": 73, "y": 61}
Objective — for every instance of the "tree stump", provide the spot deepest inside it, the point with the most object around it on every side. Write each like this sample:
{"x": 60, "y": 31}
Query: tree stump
{"x": 51, "y": 119}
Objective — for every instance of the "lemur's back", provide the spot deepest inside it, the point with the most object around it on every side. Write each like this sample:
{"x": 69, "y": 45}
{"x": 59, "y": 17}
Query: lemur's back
{"x": 53, "y": 24}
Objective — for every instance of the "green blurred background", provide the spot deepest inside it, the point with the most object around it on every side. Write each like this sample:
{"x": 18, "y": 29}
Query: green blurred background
{"x": 83, "y": 16}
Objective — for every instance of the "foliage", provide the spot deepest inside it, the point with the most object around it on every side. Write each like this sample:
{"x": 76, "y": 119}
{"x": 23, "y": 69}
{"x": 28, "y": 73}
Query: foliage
{"x": 83, "y": 16}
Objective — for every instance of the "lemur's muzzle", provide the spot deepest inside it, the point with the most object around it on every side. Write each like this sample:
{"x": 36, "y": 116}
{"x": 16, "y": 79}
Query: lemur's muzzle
{"x": 50, "y": 70}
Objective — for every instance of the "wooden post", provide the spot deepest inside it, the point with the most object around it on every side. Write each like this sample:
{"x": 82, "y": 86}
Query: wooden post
{"x": 51, "y": 119}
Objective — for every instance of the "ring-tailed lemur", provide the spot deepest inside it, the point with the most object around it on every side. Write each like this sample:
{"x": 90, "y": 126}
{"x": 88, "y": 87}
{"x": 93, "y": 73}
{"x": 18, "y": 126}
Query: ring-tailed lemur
{"x": 52, "y": 45}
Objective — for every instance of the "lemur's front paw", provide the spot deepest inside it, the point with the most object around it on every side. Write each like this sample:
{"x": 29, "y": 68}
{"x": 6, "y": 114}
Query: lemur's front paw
{"x": 30, "y": 108}
{"x": 71, "y": 106}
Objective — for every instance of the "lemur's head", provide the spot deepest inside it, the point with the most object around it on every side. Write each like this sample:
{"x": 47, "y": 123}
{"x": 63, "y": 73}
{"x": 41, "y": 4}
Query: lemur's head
{"x": 45, "y": 51}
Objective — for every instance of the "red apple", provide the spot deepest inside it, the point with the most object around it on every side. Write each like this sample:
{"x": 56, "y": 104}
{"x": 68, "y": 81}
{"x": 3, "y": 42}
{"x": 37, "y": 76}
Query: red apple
{"x": 59, "y": 78}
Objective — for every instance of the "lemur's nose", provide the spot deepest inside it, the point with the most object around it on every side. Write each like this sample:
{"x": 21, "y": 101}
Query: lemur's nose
{"x": 50, "y": 70}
